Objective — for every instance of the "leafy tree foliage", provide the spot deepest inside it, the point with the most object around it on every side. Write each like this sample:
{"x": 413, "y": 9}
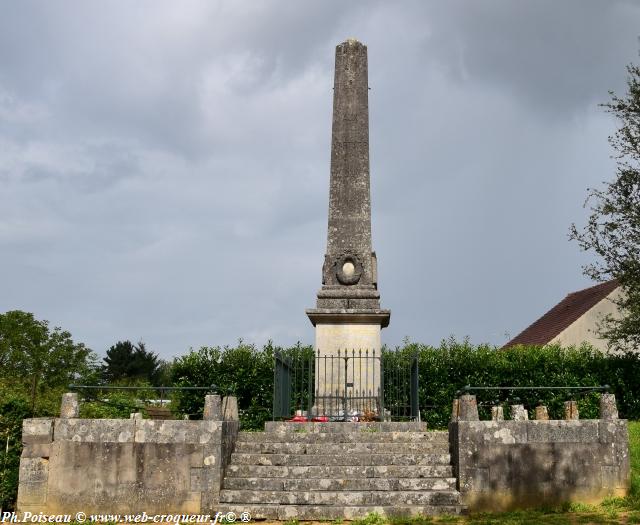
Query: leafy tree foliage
{"x": 613, "y": 228}
{"x": 126, "y": 362}
{"x": 36, "y": 358}
{"x": 13, "y": 409}
{"x": 36, "y": 365}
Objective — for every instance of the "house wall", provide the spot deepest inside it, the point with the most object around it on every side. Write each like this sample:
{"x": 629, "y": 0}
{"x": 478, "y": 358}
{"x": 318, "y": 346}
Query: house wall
{"x": 585, "y": 328}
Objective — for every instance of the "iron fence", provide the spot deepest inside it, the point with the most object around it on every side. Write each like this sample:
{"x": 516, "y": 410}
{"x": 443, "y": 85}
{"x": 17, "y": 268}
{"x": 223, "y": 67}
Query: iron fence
{"x": 355, "y": 385}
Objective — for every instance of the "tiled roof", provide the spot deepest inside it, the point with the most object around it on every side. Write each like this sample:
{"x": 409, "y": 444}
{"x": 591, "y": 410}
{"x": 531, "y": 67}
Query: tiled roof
{"x": 562, "y": 315}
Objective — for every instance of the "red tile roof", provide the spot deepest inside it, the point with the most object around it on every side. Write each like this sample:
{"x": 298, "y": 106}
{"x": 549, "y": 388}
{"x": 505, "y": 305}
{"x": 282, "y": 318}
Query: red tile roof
{"x": 567, "y": 311}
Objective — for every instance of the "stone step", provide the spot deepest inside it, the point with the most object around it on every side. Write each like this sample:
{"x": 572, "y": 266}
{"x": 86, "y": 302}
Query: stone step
{"x": 338, "y": 498}
{"x": 345, "y": 427}
{"x": 371, "y": 484}
{"x": 291, "y": 460}
{"x": 341, "y": 448}
{"x": 340, "y": 472}
{"x": 302, "y": 436}
{"x": 328, "y": 513}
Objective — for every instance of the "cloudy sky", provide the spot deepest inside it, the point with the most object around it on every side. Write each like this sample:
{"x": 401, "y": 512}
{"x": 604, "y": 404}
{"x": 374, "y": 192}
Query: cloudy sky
{"x": 164, "y": 166}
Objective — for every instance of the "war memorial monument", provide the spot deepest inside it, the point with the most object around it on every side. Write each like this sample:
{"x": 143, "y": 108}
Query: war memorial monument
{"x": 348, "y": 314}
{"x": 336, "y": 469}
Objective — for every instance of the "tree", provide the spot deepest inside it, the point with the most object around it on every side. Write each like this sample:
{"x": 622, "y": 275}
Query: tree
{"x": 128, "y": 362}
{"x": 34, "y": 358}
{"x": 612, "y": 231}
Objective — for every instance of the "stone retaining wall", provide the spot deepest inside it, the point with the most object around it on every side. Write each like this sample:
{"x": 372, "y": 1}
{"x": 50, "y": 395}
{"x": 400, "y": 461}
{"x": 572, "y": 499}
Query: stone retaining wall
{"x": 119, "y": 466}
{"x": 501, "y": 465}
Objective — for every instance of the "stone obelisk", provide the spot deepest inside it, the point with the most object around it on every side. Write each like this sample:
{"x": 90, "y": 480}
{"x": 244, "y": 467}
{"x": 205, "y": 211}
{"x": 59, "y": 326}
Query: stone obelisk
{"x": 347, "y": 314}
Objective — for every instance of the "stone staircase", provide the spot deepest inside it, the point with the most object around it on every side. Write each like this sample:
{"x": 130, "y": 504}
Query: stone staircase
{"x": 325, "y": 471}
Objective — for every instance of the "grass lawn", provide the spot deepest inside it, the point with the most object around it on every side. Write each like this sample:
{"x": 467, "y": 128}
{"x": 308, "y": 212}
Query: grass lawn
{"x": 611, "y": 511}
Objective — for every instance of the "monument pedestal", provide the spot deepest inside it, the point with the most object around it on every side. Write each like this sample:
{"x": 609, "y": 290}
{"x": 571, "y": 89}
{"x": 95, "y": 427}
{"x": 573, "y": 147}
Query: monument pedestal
{"x": 348, "y": 375}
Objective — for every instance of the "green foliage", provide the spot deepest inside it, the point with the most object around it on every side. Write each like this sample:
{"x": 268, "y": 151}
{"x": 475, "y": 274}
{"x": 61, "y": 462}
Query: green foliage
{"x": 612, "y": 231}
{"x": 36, "y": 365}
{"x": 35, "y": 358}
{"x": 114, "y": 404}
{"x": 243, "y": 371}
{"x": 247, "y": 372}
{"x": 372, "y": 518}
{"x": 452, "y": 365}
{"x": 13, "y": 409}
{"x": 128, "y": 363}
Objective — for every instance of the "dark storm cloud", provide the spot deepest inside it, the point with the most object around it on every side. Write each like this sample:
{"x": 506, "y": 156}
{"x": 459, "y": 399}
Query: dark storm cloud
{"x": 164, "y": 166}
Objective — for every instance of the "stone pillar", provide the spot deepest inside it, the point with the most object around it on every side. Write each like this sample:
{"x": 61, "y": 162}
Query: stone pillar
{"x": 69, "y": 408}
{"x": 212, "y": 408}
{"x": 230, "y": 408}
{"x": 497, "y": 413}
{"x": 571, "y": 410}
{"x": 608, "y": 407}
{"x": 37, "y": 439}
{"x": 468, "y": 408}
{"x": 455, "y": 410}
{"x": 542, "y": 413}
{"x": 519, "y": 413}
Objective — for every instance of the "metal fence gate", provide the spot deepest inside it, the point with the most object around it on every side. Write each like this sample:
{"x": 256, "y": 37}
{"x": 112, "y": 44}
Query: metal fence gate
{"x": 354, "y": 385}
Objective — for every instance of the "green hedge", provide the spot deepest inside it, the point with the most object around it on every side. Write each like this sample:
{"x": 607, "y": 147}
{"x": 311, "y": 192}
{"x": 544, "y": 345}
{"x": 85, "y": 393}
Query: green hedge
{"x": 247, "y": 372}
{"x": 447, "y": 368}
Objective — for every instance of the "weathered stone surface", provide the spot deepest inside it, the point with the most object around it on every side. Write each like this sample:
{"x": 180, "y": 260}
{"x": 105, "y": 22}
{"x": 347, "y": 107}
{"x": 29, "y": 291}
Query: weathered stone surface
{"x": 483, "y": 433}
{"x": 511, "y": 464}
{"x": 328, "y": 513}
{"x": 174, "y": 431}
{"x": 69, "y": 407}
{"x": 123, "y": 465}
{"x": 230, "y": 408}
{"x": 373, "y": 436}
{"x": 360, "y": 471}
{"x": 94, "y": 430}
{"x": 212, "y": 408}
{"x": 310, "y": 484}
{"x": 468, "y": 408}
{"x": 34, "y": 470}
{"x": 455, "y": 409}
{"x": 348, "y": 498}
{"x": 340, "y": 467}
{"x": 571, "y": 410}
{"x": 37, "y": 450}
{"x": 349, "y": 273}
{"x": 342, "y": 448}
{"x": 497, "y": 413}
{"x": 542, "y": 413}
{"x": 613, "y": 431}
{"x": 342, "y": 428}
{"x": 351, "y": 459}
{"x": 555, "y": 431}
{"x": 608, "y": 407}
{"x": 519, "y": 413}
{"x": 37, "y": 430}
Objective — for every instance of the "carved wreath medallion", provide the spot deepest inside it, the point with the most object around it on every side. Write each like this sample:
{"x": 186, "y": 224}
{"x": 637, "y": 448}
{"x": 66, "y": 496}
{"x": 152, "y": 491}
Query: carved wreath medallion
{"x": 348, "y": 268}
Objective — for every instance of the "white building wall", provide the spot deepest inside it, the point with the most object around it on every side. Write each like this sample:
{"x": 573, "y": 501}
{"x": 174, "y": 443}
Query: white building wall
{"x": 585, "y": 328}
